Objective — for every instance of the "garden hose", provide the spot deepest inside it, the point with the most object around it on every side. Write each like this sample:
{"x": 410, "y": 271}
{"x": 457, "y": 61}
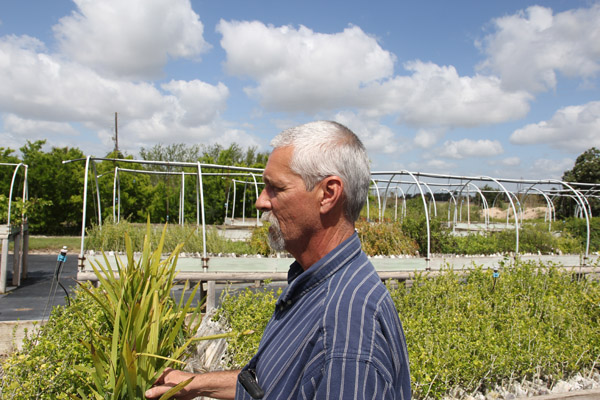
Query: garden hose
{"x": 60, "y": 262}
{"x": 62, "y": 258}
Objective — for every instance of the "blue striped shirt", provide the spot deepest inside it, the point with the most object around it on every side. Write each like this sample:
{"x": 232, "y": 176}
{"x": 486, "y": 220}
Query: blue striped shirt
{"x": 334, "y": 334}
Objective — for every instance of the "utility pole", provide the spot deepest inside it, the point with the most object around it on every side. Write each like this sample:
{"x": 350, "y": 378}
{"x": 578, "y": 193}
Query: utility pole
{"x": 116, "y": 138}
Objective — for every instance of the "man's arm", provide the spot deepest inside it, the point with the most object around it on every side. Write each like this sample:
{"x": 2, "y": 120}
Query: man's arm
{"x": 218, "y": 385}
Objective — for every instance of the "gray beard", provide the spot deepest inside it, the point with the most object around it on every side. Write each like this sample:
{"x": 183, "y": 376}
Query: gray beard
{"x": 275, "y": 235}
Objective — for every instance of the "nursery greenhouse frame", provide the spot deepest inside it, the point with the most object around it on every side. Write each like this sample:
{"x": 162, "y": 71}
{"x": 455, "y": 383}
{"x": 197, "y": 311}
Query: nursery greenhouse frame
{"x": 18, "y": 233}
{"x": 385, "y": 185}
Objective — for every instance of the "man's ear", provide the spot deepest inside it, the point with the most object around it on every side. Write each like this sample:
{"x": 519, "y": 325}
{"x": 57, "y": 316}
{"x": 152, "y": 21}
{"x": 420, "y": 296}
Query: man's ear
{"x": 332, "y": 189}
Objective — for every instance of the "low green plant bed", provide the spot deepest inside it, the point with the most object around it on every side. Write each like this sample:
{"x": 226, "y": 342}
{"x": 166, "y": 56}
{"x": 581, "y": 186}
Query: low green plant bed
{"x": 112, "y": 342}
{"x": 44, "y": 368}
{"x": 472, "y": 332}
{"x": 111, "y": 237}
{"x": 390, "y": 238}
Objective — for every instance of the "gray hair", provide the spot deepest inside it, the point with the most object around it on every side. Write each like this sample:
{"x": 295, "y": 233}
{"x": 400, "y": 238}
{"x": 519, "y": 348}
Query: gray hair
{"x": 326, "y": 148}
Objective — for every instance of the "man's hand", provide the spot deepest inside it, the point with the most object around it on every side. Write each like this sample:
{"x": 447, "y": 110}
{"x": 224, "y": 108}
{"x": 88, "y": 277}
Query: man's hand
{"x": 219, "y": 385}
{"x": 168, "y": 380}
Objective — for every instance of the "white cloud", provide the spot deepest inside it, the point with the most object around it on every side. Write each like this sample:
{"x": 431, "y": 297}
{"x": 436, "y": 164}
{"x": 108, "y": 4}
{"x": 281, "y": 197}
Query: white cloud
{"x": 437, "y": 96}
{"x": 160, "y": 129}
{"x": 376, "y": 137}
{"x": 467, "y": 148}
{"x": 133, "y": 38}
{"x": 573, "y": 128}
{"x": 10, "y": 141}
{"x": 301, "y": 70}
{"x": 426, "y": 138}
{"x": 510, "y": 161}
{"x": 38, "y": 85}
{"x": 197, "y": 102}
{"x": 434, "y": 165}
{"x": 551, "y": 169}
{"x": 56, "y": 134}
{"x": 35, "y": 128}
{"x": 298, "y": 70}
{"x": 528, "y": 49}
{"x": 40, "y": 91}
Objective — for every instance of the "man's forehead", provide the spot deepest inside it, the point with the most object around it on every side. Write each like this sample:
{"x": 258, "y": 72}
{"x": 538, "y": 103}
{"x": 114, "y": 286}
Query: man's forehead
{"x": 279, "y": 159}
{"x": 278, "y": 165}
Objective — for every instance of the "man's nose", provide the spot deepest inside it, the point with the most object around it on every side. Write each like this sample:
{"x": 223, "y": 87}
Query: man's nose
{"x": 262, "y": 203}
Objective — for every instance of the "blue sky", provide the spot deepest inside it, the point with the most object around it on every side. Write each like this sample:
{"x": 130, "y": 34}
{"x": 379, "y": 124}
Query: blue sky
{"x": 501, "y": 88}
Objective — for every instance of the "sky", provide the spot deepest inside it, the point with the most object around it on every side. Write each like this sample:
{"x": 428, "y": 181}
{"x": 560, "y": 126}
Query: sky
{"x": 508, "y": 89}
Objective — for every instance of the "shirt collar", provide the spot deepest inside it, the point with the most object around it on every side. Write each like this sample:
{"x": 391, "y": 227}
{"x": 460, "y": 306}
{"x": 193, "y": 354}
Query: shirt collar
{"x": 300, "y": 282}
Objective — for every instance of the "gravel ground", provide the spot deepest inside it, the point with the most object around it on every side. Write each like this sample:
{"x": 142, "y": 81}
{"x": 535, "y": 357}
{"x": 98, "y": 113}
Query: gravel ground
{"x": 536, "y": 387}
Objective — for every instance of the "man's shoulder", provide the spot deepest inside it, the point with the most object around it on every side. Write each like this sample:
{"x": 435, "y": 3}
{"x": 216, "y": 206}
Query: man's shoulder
{"x": 356, "y": 294}
{"x": 358, "y": 276}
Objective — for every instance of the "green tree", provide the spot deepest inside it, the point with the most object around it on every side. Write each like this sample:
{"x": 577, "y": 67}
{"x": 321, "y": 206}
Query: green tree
{"x": 62, "y": 184}
{"x": 133, "y": 192}
{"x": 165, "y": 196}
{"x": 585, "y": 170}
{"x": 216, "y": 188}
{"x": 166, "y": 188}
{"x": 6, "y": 171}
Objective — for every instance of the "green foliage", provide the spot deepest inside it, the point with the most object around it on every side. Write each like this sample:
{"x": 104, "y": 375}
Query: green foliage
{"x": 18, "y": 209}
{"x": 7, "y": 171}
{"x": 112, "y": 342}
{"x": 139, "y": 194}
{"x": 533, "y": 237}
{"x": 472, "y": 331}
{"x": 384, "y": 239}
{"x": 45, "y": 367}
{"x": 576, "y": 227}
{"x": 441, "y": 238}
{"x": 111, "y": 237}
{"x": 217, "y": 244}
{"x": 148, "y": 332}
{"x": 61, "y": 184}
{"x": 135, "y": 194}
{"x": 585, "y": 170}
{"x": 246, "y": 311}
{"x": 479, "y": 331}
{"x": 409, "y": 237}
{"x": 259, "y": 242}
{"x": 494, "y": 196}
{"x": 165, "y": 196}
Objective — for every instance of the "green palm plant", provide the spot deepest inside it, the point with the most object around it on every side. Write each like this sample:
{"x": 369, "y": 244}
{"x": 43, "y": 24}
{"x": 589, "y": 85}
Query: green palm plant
{"x": 149, "y": 329}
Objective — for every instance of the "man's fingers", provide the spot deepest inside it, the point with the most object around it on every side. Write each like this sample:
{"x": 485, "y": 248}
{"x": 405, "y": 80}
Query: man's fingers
{"x": 157, "y": 391}
{"x": 160, "y": 387}
{"x": 161, "y": 378}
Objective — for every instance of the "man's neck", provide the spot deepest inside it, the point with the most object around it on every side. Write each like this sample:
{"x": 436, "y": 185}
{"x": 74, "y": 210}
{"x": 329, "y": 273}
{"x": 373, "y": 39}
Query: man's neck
{"x": 321, "y": 243}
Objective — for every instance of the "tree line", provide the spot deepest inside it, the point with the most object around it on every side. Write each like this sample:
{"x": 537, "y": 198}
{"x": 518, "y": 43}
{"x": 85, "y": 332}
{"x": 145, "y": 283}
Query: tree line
{"x": 56, "y": 190}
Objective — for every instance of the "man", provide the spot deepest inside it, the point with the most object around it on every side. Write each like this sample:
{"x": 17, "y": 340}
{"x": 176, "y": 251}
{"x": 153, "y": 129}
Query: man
{"x": 335, "y": 333}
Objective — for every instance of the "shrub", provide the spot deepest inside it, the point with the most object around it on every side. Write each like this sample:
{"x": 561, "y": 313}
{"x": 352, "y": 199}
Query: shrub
{"x": 384, "y": 239}
{"x": 577, "y": 228}
{"x": 243, "y": 311}
{"x": 478, "y": 331}
{"x": 259, "y": 243}
{"x": 111, "y": 236}
{"x": 112, "y": 342}
{"x": 44, "y": 368}
{"x": 473, "y": 331}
